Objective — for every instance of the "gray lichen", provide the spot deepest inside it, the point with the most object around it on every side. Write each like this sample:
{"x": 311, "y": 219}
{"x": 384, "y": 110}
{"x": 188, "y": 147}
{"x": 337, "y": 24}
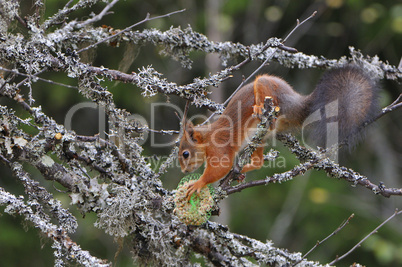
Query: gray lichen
{"x": 115, "y": 180}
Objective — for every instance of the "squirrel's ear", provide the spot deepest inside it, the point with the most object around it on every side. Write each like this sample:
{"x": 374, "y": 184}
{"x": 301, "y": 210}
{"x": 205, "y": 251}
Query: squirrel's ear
{"x": 192, "y": 133}
{"x": 196, "y": 136}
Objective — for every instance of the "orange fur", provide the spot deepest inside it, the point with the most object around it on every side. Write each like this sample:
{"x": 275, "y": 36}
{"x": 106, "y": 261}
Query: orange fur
{"x": 218, "y": 143}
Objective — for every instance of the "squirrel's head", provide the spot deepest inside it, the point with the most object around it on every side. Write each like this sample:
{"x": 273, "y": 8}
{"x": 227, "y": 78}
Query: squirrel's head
{"x": 192, "y": 149}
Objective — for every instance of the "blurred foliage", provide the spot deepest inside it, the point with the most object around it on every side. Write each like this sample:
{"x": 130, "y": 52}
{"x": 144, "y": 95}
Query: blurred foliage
{"x": 295, "y": 214}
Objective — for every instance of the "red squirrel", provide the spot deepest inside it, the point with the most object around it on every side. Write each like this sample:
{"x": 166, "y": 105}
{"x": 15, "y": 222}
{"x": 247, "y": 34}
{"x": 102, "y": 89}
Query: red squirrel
{"x": 218, "y": 143}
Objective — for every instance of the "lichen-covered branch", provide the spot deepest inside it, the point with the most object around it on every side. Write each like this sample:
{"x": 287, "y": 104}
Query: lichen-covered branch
{"x": 65, "y": 248}
{"x": 115, "y": 180}
{"x": 322, "y": 162}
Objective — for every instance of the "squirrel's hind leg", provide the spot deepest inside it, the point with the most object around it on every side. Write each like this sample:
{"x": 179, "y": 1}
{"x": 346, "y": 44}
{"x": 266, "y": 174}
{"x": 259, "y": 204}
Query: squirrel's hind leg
{"x": 257, "y": 160}
{"x": 263, "y": 86}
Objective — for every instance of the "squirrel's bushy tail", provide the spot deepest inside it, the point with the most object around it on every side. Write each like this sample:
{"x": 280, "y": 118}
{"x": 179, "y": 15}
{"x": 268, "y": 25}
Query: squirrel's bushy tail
{"x": 344, "y": 99}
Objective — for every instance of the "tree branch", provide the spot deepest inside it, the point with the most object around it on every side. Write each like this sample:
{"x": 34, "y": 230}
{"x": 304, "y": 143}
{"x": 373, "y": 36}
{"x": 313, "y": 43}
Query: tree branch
{"x": 147, "y": 18}
{"x": 100, "y": 15}
{"x": 370, "y": 234}
{"x": 62, "y": 242}
{"x": 320, "y": 161}
{"x": 132, "y": 202}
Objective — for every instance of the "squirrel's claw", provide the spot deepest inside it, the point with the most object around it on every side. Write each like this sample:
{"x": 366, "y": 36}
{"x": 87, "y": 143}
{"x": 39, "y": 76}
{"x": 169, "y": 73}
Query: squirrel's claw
{"x": 192, "y": 188}
{"x": 257, "y": 111}
{"x": 241, "y": 178}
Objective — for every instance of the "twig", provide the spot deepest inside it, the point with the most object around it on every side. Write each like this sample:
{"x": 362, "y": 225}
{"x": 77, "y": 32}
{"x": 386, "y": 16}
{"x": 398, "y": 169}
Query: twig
{"x": 6, "y": 161}
{"x": 168, "y": 132}
{"x": 20, "y": 100}
{"x": 6, "y": 81}
{"x": 36, "y": 77}
{"x": 278, "y": 177}
{"x": 100, "y": 15}
{"x": 61, "y": 15}
{"x": 268, "y": 116}
{"x": 370, "y": 234}
{"x": 147, "y": 18}
{"x": 298, "y": 25}
{"x": 68, "y": 3}
{"x": 89, "y": 162}
{"x": 20, "y": 20}
{"x": 325, "y": 239}
{"x": 393, "y": 106}
{"x": 29, "y": 77}
{"x": 168, "y": 162}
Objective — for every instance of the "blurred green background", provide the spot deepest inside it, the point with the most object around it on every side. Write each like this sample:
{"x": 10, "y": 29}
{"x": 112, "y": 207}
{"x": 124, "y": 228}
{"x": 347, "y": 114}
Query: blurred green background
{"x": 294, "y": 214}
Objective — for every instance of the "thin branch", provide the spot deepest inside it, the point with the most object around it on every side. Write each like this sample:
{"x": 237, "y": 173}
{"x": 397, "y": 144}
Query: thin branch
{"x": 298, "y": 24}
{"x": 100, "y": 15}
{"x": 278, "y": 177}
{"x": 28, "y": 77}
{"x": 169, "y": 161}
{"x": 61, "y": 15}
{"x": 6, "y": 81}
{"x": 20, "y": 20}
{"x": 6, "y": 161}
{"x": 329, "y": 236}
{"x": 370, "y": 234}
{"x": 393, "y": 106}
{"x": 33, "y": 77}
{"x": 89, "y": 162}
{"x": 17, "y": 97}
{"x": 35, "y": 191}
{"x": 68, "y": 3}
{"x": 269, "y": 114}
{"x": 147, "y": 18}
{"x": 168, "y": 132}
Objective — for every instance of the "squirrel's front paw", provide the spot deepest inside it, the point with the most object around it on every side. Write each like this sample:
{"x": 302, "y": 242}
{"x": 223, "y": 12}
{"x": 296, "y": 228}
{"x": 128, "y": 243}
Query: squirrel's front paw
{"x": 194, "y": 187}
{"x": 241, "y": 178}
{"x": 257, "y": 111}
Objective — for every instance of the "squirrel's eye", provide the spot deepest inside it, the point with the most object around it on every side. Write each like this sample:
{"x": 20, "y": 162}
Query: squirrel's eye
{"x": 186, "y": 154}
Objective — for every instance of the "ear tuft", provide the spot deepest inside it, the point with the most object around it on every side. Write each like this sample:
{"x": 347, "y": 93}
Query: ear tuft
{"x": 196, "y": 136}
{"x": 192, "y": 133}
